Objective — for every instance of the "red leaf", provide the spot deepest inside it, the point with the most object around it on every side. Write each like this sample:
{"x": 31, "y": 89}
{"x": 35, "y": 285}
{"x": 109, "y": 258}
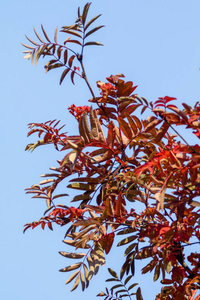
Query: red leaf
{"x": 107, "y": 241}
{"x": 50, "y": 226}
{"x": 70, "y": 61}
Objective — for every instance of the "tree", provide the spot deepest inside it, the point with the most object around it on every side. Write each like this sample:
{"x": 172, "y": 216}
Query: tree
{"x": 117, "y": 161}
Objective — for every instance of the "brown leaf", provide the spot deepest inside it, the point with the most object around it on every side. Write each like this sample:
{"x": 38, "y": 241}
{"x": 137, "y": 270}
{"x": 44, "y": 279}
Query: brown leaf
{"x": 180, "y": 113}
{"x": 127, "y": 240}
{"x": 46, "y": 36}
{"x": 71, "y": 268}
{"x": 72, "y": 32}
{"x": 137, "y": 121}
{"x": 72, "y": 255}
{"x": 55, "y": 34}
{"x": 65, "y": 72}
{"x": 70, "y": 61}
{"x": 82, "y": 186}
{"x": 86, "y": 127}
{"x": 65, "y": 56}
{"x": 91, "y": 21}
{"x": 85, "y": 12}
{"x": 93, "y": 123}
{"x": 156, "y": 272}
{"x": 72, "y": 76}
{"x": 34, "y": 43}
{"x": 82, "y": 281}
{"x": 93, "y": 30}
{"x": 38, "y": 36}
{"x": 93, "y": 43}
{"x": 125, "y": 128}
{"x": 139, "y": 294}
{"x": 152, "y": 125}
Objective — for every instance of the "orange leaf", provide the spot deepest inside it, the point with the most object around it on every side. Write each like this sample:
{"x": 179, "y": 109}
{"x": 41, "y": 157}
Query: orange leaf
{"x": 125, "y": 128}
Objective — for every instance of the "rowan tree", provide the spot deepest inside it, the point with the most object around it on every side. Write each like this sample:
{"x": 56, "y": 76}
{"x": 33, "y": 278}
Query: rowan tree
{"x": 119, "y": 159}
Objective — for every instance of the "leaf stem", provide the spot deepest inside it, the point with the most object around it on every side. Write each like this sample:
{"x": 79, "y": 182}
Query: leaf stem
{"x": 87, "y": 82}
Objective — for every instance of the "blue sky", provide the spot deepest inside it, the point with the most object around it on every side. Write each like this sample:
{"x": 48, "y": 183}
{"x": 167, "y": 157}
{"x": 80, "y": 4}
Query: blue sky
{"x": 156, "y": 44}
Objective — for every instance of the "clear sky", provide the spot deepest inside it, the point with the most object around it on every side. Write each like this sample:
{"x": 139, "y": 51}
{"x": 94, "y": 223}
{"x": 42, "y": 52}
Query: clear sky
{"x": 156, "y": 44}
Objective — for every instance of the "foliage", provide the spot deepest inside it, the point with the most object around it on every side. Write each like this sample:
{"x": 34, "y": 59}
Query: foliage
{"x": 117, "y": 161}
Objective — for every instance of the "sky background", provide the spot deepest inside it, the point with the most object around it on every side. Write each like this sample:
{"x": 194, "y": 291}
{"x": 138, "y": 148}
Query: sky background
{"x": 156, "y": 44}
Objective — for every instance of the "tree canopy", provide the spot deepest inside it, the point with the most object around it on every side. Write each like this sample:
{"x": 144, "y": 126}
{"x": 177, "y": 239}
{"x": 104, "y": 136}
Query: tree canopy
{"x": 137, "y": 178}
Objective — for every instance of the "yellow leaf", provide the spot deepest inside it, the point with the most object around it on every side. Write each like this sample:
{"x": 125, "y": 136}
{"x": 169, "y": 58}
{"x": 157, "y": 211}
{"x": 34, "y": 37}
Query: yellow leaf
{"x": 75, "y": 284}
{"x": 156, "y": 273}
{"x": 72, "y": 277}
{"x": 72, "y": 255}
{"x": 27, "y": 56}
{"x": 71, "y": 268}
